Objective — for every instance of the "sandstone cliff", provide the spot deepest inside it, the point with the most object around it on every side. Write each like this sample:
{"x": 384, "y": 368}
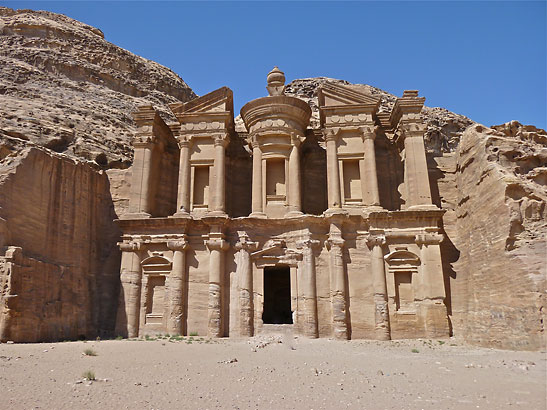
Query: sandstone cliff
{"x": 64, "y": 88}
{"x": 58, "y": 269}
{"x": 498, "y": 293}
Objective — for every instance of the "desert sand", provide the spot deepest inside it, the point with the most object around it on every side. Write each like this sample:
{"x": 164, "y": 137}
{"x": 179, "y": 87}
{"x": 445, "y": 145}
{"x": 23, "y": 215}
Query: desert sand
{"x": 269, "y": 372}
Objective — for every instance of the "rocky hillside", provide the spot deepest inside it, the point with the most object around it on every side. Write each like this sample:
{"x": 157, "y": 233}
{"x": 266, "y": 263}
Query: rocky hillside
{"x": 64, "y": 87}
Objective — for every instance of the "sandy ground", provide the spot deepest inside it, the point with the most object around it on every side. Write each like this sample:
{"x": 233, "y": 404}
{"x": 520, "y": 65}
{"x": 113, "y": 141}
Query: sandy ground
{"x": 270, "y": 372}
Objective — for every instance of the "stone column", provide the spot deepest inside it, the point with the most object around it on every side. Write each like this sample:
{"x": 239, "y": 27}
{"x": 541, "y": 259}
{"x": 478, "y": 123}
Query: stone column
{"x": 127, "y": 321}
{"x": 295, "y": 200}
{"x": 381, "y": 316}
{"x": 216, "y": 246}
{"x": 183, "y": 196}
{"x": 308, "y": 280}
{"x": 257, "y": 200}
{"x": 244, "y": 273}
{"x": 369, "y": 178}
{"x": 435, "y": 314}
{"x": 333, "y": 173}
{"x": 142, "y": 185}
{"x": 219, "y": 166}
{"x": 177, "y": 282}
{"x": 335, "y": 245}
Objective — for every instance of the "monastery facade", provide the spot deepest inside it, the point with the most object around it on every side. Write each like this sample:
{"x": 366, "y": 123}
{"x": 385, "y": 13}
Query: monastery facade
{"x": 330, "y": 230}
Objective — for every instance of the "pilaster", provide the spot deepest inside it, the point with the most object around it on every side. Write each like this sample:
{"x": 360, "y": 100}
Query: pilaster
{"x": 308, "y": 279}
{"x": 381, "y": 316}
{"x": 177, "y": 282}
{"x": 128, "y": 317}
{"x": 244, "y": 273}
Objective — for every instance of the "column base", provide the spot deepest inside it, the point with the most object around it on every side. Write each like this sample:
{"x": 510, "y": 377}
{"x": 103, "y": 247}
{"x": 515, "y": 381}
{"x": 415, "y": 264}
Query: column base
{"x": 136, "y": 215}
{"x": 257, "y": 215}
{"x": 217, "y": 213}
{"x": 424, "y": 207}
{"x": 335, "y": 211}
{"x": 180, "y": 214}
{"x": 293, "y": 214}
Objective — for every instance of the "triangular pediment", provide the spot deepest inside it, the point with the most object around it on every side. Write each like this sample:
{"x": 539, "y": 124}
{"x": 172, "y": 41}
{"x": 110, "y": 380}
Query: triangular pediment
{"x": 217, "y": 101}
{"x": 335, "y": 95}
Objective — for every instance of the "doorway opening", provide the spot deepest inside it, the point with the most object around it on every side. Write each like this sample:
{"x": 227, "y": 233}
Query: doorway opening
{"x": 277, "y": 295}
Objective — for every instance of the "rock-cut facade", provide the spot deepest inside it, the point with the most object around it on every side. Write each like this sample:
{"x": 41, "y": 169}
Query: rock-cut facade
{"x": 237, "y": 230}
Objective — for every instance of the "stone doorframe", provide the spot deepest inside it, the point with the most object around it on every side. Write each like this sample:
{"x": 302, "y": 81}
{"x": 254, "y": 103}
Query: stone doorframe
{"x": 274, "y": 253}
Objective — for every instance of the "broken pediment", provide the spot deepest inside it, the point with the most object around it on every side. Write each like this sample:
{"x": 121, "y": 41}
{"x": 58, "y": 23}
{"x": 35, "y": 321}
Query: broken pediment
{"x": 335, "y": 95}
{"x": 218, "y": 101}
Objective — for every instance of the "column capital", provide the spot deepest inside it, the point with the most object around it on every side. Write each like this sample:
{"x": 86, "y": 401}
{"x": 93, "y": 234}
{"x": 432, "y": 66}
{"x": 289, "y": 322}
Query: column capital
{"x": 220, "y": 139}
{"x": 412, "y": 128}
{"x": 307, "y": 243}
{"x": 245, "y": 243}
{"x": 131, "y": 246}
{"x": 331, "y": 134}
{"x": 179, "y": 244}
{"x": 431, "y": 238}
{"x": 217, "y": 244}
{"x": 144, "y": 140}
{"x": 376, "y": 240}
{"x": 296, "y": 139}
{"x": 335, "y": 242}
{"x": 184, "y": 141}
{"x": 369, "y": 131}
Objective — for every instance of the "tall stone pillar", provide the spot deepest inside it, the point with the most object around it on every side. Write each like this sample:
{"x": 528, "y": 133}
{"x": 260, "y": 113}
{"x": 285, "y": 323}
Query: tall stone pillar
{"x": 333, "y": 173}
{"x": 177, "y": 282}
{"x": 335, "y": 245}
{"x": 433, "y": 291}
{"x": 142, "y": 184}
{"x": 244, "y": 273}
{"x": 412, "y": 128}
{"x": 369, "y": 177}
{"x": 217, "y": 246}
{"x": 308, "y": 279}
{"x": 219, "y": 166}
{"x": 183, "y": 194}
{"x": 257, "y": 200}
{"x": 381, "y": 316}
{"x": 127, "y": 321}
{"x": 295, "y": 199}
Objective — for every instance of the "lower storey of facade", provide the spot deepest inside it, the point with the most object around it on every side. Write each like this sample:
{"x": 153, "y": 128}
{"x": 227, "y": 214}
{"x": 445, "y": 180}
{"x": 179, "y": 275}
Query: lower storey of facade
{"x": 377, "y": 276}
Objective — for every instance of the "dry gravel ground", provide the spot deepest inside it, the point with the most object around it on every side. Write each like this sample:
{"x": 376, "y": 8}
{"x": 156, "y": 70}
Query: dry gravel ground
{"x": 270, "y": 372}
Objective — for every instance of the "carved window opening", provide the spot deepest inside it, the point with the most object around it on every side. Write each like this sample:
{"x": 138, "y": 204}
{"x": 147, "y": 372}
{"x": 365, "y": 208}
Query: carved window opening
{"x": 277, "y": 295}
{"x": 201, "y": 186}
{"x": 155, "y": 303}
{"x": 404, "y": 292}
{"x": 352, "y": 181}
{"x": 275, "y": 179}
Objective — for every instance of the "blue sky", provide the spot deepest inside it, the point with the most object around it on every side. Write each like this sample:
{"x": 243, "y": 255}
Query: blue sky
{"x": 486, "y": 60}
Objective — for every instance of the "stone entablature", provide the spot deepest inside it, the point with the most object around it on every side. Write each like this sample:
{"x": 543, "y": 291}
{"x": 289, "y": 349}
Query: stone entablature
{"x": 362, "y": 268}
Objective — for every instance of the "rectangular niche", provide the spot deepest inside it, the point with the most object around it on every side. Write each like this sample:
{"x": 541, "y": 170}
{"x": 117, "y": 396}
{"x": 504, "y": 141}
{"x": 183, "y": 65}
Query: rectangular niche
{"x": 201, "y": 186}
{"x": 155, "y": 303}
{"x": 404, "y": 292}
{"x": 275, "y": 179}
{"x": 352, "y": 181}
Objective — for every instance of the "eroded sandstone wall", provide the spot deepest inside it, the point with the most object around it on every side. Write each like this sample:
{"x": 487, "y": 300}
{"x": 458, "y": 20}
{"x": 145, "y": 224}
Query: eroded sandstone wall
{"x": 498, "y": 227}
{"x": 60, "y": 261}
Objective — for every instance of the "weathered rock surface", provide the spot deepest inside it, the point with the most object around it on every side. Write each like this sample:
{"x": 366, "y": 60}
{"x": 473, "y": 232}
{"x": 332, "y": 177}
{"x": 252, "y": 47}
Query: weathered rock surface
{"x": 64, "y": 87}
{"x": 498, "y": 294}
{"x": 59, "y": 261}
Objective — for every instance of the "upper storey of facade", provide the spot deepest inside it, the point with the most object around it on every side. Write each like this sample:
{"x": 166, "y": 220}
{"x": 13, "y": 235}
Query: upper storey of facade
{"x": 358, "y": 161}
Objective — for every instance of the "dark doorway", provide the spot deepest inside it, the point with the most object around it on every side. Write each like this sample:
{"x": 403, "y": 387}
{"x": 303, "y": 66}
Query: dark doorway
{"x": 277, "y": 295}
